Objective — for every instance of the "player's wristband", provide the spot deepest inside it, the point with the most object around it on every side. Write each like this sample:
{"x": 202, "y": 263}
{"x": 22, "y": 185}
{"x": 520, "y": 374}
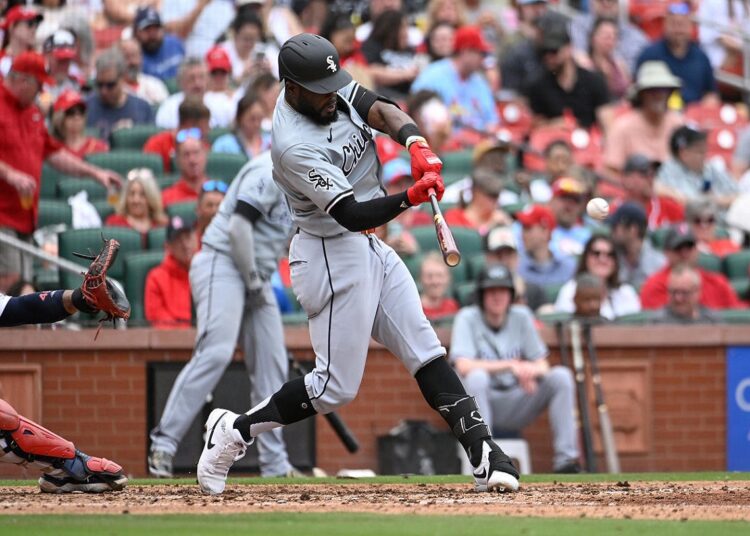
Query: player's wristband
{"x": 407, "y": 133}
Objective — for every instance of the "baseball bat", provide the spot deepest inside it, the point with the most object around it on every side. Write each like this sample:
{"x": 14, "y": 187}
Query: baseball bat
{"x": 605, "y": 423}
{"x": 342, "y": 431}
{"x": 579, "y": 367}
{"x": 448, "y": 247}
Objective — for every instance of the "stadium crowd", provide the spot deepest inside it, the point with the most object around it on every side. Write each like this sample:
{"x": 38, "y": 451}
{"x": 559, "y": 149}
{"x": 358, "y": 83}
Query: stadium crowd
{"x": 534, "y": 106}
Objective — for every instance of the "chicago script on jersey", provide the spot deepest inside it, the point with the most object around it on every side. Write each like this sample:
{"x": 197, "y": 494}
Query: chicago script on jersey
{"x": 354, "y": 150}
{"x": 319, "y": 181}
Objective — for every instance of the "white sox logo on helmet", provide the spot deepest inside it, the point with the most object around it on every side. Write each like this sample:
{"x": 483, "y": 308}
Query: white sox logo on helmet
{"x": 331, "y": 64}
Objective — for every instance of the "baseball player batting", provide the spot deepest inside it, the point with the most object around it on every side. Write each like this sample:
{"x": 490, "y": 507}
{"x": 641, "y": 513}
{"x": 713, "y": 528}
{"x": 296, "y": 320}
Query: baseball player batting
{"x": 65, "y": 469}
{"x": 230, "y": 283}
{"x": 351, "y": 285}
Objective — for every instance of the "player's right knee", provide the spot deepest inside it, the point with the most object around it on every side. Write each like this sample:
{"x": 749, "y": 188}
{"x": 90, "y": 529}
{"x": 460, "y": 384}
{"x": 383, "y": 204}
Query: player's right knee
{"x": 9, "y": 418}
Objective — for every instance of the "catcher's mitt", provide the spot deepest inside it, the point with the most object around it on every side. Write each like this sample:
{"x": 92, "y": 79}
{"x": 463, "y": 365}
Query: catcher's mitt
{"x": 99, "y": 292}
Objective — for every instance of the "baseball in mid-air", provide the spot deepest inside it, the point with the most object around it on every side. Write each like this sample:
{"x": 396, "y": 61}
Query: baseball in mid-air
{"x": 597, "y": 208}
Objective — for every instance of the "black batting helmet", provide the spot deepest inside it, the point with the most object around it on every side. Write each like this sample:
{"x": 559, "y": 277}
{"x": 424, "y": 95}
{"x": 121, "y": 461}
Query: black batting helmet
{"x": 494, "y": 276}
{"x": 312, "y": 62}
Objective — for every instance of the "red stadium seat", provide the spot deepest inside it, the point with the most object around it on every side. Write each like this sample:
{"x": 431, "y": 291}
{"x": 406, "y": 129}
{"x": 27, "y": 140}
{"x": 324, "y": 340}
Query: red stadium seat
{"x": 710, "y": 117}
{"x": 515, "y": 120}
{"x": 540, "y": 138}
{"x": 721, "y": 142}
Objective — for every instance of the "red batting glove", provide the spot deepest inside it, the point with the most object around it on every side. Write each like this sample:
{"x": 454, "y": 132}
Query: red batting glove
{"x": 420, "y": 192}
{"x": 423, "y": 160}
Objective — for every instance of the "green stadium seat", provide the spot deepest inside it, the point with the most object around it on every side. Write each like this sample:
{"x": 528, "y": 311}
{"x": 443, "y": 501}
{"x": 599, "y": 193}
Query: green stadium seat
{"x": 133, "y": 138}
{"x": 224, "y": 166}
{"x": 167, "y": 180}
{"x": 294, "y": 319}
{"x": 85, "y": 240}
{"x": 736, "y": 264}
{"x": 464, "y": 292}
{"x": 554, "y": 317}
{"x": 123, "y": 161}
{"x": 104, "y": 208}
{"x": 658, "y": 236}
{"x": 216, "y": 133}
{"x": 185, "y": 210}
{"x": 137, "y": 266}
{"x": 709, "y": 262}
{"x": 172, "y": 85}
{"x": 71, "y": 186}
{"x": 50, "y": 178}
{"x": 414, "y": 264}
{"x": 741, "y": 287}
{"x": 734, "y": 316}
{"x": 296, "y": 307}
{"x": 469, "y": 241}
{"x": 514, "y": 208}
{"x": 156, "y": 238}
{"x": 475, "y": 265}
{"x": 53, "y": 212}
{"x": 455, "y": 162}
{"x": 641, "y": 317}
{"x": 551, "y": 291}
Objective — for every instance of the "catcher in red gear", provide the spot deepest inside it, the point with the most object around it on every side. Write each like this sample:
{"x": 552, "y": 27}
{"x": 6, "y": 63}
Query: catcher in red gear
{"x": 22, "y": 441}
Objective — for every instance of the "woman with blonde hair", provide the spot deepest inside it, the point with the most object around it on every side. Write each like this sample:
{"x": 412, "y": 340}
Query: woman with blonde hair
{"x": 451, "y": 11}
{"x": 140, "y": 205}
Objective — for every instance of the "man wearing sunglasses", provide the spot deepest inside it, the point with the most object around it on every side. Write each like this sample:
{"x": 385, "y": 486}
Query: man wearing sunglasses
{"x": 26, "y": 145}
{"x": 191, "y": 158}
{"x": 684, "y": 305}
{"x": 192, "y": 113}
{"x": 112, "y": 107}
{"x": 231, "y": 288}
{"x": 211, "y": 196}
{"x": 680, "y": 248}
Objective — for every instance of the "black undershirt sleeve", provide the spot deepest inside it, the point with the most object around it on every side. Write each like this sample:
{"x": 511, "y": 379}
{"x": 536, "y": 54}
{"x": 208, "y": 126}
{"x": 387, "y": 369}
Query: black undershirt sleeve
{"x": 247, "y": 211}
{"x": 363, "y": 99}
{"x": 37, "y": 308}
{"x": 356, "y": 216}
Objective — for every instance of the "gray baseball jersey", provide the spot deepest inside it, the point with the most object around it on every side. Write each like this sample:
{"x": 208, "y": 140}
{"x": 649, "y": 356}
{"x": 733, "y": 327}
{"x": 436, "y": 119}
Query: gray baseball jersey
{"x": 317, "y": 166}
{"x": 255, "y": 187}
{"x": 472, "y": 338}
{"x": 3, "y": 302}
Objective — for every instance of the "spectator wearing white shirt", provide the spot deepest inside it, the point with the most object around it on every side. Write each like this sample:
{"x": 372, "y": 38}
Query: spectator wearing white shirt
{"x": 600, "y": 259}
{"x": 193, "y": 80}
{"x": 209, "y": 24}
{"x": 140, "y": 84}
{"x": 246, "y": 49}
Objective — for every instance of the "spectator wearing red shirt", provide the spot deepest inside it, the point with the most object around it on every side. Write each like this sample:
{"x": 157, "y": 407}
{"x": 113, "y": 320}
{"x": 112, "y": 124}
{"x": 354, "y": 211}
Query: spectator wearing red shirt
{"x": 638, "y": 178}
{"x": 69, "y": 125}
{"x": 482, "y": 212}
{"x": 167, "y": 296}
{"x": 140, "y": 205}
{"x": 701, "y": 219}
{"x": 26, "y": 144}
{"x": 680, "y": 247}
{"x": 192, "y": 114}
{"x": 191, "y": 158}
{"x": 435, "y": 279}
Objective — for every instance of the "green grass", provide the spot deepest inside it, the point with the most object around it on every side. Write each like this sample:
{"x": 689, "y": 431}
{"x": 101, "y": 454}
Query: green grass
{"x": 283, "y": 524}
{"x": 444, "y": 479}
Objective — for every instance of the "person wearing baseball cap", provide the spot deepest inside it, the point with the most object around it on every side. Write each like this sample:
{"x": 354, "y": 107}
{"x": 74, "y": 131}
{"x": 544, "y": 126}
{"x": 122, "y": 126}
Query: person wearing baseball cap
{"x": 645, "y": 129}
{"x": 219, "y": 71}
{"x": 684, "y": 56}
{"x": 569, "y": 196}
{"x": 680, "y": 248}
{"x": 460, "y": 82}
{"x": 20, "y": 25}
{"x": 636, "y": 255}
{"x": 482, "y": 212}
{"x": 638, "y": 178}
{"x": 60, "y": 50}
{"x": 167, "y": 302}
{"x": 563, "y": 85}
{"x": 69, "y": 125}
{"x": 497, "y": 350}
{"x": 26, "y": 145}
{"x": 538, "y": 264}
{"x": 162, "y": 52}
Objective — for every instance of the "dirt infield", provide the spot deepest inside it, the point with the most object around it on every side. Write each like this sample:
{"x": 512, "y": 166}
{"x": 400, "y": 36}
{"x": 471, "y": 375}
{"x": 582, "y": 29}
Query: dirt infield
{"x": 637, "y": 500}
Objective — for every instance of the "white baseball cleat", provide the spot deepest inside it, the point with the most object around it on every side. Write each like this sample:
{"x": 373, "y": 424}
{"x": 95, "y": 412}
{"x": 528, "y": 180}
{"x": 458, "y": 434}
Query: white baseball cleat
{"x": 224, "y": 446}
{"x": 495, "y": 471}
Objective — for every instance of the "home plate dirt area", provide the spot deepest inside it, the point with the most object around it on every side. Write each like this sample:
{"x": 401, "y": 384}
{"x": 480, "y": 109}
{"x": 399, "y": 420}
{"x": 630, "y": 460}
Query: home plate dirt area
{"x": 624, "y": 500}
